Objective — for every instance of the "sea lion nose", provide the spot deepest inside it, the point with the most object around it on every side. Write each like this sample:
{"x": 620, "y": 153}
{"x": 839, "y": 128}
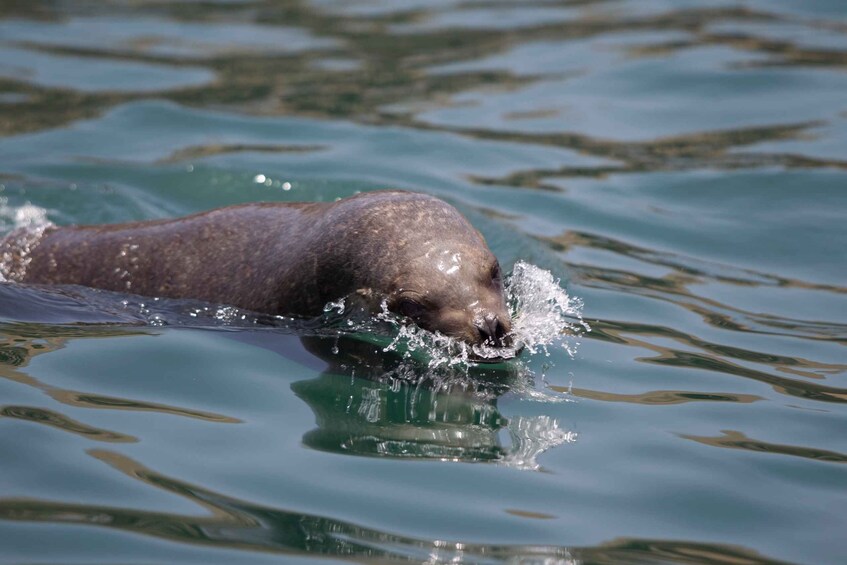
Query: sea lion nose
{"x": 492, "y": 331}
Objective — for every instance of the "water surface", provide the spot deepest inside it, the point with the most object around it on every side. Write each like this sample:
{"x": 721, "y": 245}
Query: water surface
{"x": 680, "y": 166}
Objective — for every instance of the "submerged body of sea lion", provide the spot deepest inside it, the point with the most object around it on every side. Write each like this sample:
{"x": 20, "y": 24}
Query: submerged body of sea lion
{"x": 414, "y": 252}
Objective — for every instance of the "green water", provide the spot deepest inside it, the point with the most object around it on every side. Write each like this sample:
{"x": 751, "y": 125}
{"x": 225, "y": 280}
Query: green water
{"x": 681, "y": 166}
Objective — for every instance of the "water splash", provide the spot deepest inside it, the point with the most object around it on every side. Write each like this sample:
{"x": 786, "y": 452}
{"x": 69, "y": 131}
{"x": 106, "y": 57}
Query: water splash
{"x": 27, "y": 223}
{"x": 543, "y": 315}
{"x": 26, "y": 216}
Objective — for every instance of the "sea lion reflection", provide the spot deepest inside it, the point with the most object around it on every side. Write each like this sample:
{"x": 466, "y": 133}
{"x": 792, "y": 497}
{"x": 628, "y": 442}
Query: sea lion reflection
{"x": 364, "y": 406}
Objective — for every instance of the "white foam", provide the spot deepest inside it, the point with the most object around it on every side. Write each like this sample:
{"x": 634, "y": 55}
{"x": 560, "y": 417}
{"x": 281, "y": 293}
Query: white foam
{"x": 27, "y": 224}
{"x": 26, "y": 216}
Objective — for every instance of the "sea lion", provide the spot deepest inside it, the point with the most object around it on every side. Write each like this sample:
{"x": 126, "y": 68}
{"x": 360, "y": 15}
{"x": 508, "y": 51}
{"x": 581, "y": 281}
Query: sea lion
{"x": 412, "y": 251}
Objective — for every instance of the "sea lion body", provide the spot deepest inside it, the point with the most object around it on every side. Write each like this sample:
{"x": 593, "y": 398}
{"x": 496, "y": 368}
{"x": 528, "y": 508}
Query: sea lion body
{"x": 413, "y": 251}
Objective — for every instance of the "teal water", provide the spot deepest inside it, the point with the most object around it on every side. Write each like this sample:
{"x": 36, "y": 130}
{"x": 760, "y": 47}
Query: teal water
{"x": 681, "y": 166}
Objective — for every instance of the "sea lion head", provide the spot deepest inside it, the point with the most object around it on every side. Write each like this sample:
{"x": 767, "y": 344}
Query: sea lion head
{"x": 455, "y": 289}
{"x": 427, "y": 263}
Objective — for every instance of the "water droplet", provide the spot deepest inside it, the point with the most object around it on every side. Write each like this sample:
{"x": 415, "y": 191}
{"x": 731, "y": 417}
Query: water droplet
{"x": 157, "y": 320}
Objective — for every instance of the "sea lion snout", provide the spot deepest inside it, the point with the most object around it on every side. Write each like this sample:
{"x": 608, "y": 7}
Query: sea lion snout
{"x": 454, "y": 286}
{"x": 475, "y": 326}
{"x": 493, "y": 330}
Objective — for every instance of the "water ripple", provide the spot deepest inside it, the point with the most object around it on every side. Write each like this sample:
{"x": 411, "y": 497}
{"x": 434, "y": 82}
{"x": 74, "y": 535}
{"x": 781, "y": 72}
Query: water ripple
{"x": 245, "y": 526}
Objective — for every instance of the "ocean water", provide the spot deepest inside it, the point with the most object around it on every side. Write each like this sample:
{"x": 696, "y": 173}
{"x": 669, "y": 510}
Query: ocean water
{"x": 680, "y": 168}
